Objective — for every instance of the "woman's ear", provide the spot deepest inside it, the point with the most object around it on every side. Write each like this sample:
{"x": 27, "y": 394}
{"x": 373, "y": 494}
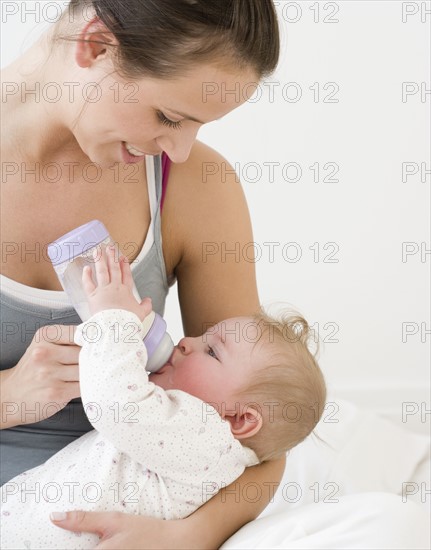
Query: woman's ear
{"x": 245, "y": 424}
{"x": 93, "y": 43}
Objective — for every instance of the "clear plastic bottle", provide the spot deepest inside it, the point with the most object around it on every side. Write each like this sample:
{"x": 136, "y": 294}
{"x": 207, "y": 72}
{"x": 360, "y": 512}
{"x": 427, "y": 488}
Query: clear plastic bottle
{"x": 74, "y": 250}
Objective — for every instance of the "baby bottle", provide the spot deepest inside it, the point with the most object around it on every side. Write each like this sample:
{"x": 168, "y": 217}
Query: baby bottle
{"x": 74, "y": 250}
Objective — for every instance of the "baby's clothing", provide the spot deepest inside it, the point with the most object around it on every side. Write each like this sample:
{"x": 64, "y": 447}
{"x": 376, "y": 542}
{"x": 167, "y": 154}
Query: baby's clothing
{"x": 154, "y": 452}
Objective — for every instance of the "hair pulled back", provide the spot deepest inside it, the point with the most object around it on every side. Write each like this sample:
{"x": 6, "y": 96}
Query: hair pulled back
{"x": 165, "y": 38}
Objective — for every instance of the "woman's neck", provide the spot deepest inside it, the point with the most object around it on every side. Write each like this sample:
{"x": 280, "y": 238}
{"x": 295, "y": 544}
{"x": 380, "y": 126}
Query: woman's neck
{"x": 30, "y": 117}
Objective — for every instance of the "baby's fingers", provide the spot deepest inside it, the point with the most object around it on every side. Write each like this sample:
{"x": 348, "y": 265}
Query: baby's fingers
{"x": 101, "y": 268}
{"x": 87, "y": 280}
{"x": 114, "y": 265}
{"x": 126, "y": 272}
{"x": 146, "y": 307}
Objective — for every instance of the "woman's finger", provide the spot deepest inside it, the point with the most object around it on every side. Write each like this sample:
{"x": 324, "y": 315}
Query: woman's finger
{"x": 80, "y": 521}
{"x": 68, "y": 373}
{"x": 101, "y": 268}
{"x": 68, "y": 355}
{"x": 114, "y": 265}
{"x": 118, "y": 530}
{"x": 56, "y": 334}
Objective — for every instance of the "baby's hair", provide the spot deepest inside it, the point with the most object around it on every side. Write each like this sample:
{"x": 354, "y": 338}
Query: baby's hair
{"x": 289, "y": 388}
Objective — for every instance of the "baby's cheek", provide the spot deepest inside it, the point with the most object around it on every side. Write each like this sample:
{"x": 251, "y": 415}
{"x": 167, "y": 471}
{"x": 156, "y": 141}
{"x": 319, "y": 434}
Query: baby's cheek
{"x": 208, "y": 390}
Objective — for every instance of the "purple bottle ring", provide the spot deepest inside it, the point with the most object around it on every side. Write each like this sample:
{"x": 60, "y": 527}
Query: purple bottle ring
{"x": 155, "y": 335}
{"x": 77, "y": 242}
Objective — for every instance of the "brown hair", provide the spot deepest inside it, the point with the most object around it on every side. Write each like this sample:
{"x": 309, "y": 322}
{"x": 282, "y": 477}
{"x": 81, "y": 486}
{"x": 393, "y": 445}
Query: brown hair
{"x": 289, "y": 390}
{"x": 164, "y": 38}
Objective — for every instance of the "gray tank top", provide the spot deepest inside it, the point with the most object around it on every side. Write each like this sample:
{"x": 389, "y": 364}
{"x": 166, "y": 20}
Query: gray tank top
{"x": 26, "y": 446}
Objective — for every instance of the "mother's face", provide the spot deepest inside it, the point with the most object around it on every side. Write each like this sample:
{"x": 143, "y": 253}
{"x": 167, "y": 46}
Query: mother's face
{"x": 152, "y": 115}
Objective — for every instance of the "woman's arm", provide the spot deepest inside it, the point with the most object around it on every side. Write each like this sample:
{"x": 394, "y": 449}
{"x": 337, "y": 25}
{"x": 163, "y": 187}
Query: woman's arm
{"x": 234, "y": 506}
{"x": 206, "y": 218}
{"x": 207, "y": 241}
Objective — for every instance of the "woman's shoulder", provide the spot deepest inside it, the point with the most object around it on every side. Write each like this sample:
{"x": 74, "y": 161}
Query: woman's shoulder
{"x": 205, "y": 177}
{"x": 204, "y": 202}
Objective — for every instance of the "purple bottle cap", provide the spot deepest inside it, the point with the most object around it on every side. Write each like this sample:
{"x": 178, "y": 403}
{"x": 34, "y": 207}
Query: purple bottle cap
{"x": 77, "y": 242}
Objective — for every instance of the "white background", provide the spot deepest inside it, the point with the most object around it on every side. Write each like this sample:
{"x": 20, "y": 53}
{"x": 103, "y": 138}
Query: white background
{"x": 360, "y": 301}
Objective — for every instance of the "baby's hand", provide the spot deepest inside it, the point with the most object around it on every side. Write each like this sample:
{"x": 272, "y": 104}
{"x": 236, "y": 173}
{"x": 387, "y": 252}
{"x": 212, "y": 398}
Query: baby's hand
{"x": 113, "y": 287}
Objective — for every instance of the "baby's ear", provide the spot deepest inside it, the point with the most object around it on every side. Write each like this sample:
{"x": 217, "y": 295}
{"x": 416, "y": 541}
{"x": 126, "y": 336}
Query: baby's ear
{"x": 245, "y": 424}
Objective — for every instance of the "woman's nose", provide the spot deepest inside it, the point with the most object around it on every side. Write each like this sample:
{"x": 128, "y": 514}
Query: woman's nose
{"x": 178, "y": 146}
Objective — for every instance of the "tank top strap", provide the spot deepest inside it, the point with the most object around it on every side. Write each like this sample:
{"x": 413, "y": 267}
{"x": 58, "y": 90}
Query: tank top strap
{"x": 166, "y": 166}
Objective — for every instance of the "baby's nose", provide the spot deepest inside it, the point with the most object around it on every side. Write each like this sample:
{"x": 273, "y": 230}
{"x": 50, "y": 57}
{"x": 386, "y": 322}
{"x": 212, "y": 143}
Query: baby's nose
{"x": 185, "y": 345}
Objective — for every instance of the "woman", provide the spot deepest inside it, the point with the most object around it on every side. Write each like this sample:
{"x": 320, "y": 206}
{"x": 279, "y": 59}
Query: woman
{"x": 131, "y": 80}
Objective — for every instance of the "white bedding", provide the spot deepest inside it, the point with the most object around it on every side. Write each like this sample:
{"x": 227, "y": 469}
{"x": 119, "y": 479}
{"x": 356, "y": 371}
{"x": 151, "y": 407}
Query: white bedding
{"x": 347, "y": 491}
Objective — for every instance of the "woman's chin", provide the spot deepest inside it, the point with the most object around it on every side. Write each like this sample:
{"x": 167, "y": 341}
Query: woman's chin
{"x": 100, "y": 160}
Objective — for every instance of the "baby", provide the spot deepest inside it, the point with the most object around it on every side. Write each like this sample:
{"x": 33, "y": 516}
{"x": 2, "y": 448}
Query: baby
{"x": 246, "y": 391}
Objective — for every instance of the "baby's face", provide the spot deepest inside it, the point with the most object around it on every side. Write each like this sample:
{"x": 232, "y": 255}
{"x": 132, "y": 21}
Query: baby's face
{"x": 214, "y": 366}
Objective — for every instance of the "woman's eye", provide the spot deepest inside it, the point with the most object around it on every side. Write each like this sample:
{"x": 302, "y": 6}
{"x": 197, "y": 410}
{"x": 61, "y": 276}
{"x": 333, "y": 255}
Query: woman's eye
{"x": 168, "y": 122}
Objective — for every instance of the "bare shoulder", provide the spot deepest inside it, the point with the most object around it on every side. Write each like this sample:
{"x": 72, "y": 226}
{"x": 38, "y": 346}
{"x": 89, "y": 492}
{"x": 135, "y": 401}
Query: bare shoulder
{"x": 206, "y": 226}
{"x": 204, "y": 201}
{"x": 204, "y": 176}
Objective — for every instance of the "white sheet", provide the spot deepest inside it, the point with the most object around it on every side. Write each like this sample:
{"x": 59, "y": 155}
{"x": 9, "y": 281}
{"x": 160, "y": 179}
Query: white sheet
{"x": 362, "y": 521}
{"x": 347, "y": 491}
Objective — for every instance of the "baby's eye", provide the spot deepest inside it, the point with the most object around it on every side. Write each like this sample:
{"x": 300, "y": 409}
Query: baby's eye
{"x": 211, "y": 352}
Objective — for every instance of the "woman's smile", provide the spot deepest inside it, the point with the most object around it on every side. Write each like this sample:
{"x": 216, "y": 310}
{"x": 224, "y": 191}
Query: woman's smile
{"x": 131, "y": 155}
{"x": 134, "y": 151}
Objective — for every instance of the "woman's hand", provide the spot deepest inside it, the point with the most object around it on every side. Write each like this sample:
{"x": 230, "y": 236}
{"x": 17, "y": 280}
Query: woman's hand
{"x": 113, "y": 288}
{"x": 130, "y": 532}
{"x": 44, "y": 380}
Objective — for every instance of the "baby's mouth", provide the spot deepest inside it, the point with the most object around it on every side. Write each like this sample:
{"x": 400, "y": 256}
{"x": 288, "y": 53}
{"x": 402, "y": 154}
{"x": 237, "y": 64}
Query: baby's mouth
{"x": 167, "y": 364}
{"x": 161, "y": 370}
